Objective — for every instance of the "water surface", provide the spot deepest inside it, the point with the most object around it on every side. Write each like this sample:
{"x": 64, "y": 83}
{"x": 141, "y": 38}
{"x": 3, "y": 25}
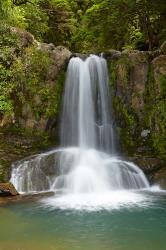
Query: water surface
{"x": 35, "y": 226}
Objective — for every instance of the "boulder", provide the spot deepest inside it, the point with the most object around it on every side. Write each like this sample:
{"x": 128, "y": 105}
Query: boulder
{"x": 59, "y": 55}
{"x": 7, "y": 189}
{"x": 26, "y": 39}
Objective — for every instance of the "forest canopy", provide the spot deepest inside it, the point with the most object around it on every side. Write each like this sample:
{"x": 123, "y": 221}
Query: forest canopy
{"x": 89, "y": 25}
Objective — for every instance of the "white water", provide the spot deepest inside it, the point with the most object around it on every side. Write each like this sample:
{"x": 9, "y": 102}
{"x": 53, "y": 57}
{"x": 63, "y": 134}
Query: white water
{"x": 87, "y": 163}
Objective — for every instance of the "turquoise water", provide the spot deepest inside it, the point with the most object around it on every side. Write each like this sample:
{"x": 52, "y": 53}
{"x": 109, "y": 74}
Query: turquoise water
{"x": 34, "y": 226}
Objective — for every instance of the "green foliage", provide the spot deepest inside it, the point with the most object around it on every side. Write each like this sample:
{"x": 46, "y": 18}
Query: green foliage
{"x": 29, "y": 76}
{"x": 8, "y": 44}
{"x": 61, "y": 22}
{"x": 119, "y": 24}
{"x": 90, "y": 25}
{"x": 36, "y": 20}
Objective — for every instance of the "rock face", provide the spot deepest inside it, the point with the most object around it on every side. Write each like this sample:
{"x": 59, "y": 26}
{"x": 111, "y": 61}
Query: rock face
{"x": 58, "y": 57}
{"x": 7, "y": 189}
{"x": 138, "y": 81}
{"x": 138, "y": 89}
{"x": 26, "y": 39}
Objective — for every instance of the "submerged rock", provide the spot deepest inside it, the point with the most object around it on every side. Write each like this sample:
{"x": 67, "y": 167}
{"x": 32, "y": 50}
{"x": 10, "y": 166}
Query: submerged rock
{"x": 7, "y": 189}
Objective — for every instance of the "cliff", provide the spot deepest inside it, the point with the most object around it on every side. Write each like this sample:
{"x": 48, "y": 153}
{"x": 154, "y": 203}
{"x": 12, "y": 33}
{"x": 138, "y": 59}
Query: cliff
{"x": 138, "y": 89}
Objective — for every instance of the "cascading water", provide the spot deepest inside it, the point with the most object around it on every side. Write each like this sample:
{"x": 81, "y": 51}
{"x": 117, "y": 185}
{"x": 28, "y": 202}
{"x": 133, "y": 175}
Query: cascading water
{"x": 86, "y": 162}
{"x": 86, "y": 120}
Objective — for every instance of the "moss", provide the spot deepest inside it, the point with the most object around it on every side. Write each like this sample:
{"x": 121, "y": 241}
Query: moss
{"x": 126, "y": 124}
{"x": 155, "y": 113}
{"x": 56, "y": 98}
{"x": 162, "y": 81}
{"x": 112, "y": 73}
{"x": 124, "y": 59}
{"x": 119, "y": 70}
{"x": 3, "y": 170}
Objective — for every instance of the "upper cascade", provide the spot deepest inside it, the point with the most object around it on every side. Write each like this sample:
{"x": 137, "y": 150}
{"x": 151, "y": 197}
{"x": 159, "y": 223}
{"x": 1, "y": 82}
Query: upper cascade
{"x": 86, "y": 116}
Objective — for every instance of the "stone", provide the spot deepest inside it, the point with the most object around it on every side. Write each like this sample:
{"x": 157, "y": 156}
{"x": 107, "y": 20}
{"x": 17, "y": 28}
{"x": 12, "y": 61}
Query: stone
{"x": 41, "y": 125}
{"x": 111, "y": 54}
{"x": 159, "y": 178}
{"x": 31, "y": 124}
{"x": 6, "y": 119}
{"x": 26, "y": 38}
{"x": 145, "y": 133}
{"x": 7, "y": 189}
{"x": 159, "y": 65}
{"x": 59, "y": 55}
{"x": 163, "y": 48}
{"x": 27, "y": 111}
{"x": 159, "y": 68}
{"x": 82, "y": 56}
{"x": 150, "y": 165}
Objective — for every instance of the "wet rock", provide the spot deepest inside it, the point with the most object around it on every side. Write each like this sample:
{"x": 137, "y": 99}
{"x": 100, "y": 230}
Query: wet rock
{"x": 160, "y": 178}
{"x": 36, "y": 172}
{"x": 111, "y": 54}
{"x": 154, "y": 168}
{"x": 7, "y": 189}
{"x": 82, "y": 56}
{"x": 148, "y": 164}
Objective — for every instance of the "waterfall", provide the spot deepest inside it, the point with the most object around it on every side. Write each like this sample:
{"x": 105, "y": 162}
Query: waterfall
{"x": 86, "y": 119}
{"x": 86, "y": 162}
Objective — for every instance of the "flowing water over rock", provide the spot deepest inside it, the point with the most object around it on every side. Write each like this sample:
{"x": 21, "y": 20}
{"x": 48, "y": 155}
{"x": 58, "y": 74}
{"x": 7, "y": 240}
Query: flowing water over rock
{"x": 87, "y": 162}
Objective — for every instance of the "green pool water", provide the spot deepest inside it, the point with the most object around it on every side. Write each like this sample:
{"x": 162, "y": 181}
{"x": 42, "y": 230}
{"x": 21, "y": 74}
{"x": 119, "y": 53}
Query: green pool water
{"x": 34, "y": 226}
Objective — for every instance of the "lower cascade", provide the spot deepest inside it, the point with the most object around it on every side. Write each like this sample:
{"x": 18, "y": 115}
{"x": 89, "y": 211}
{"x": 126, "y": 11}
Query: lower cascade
{"x": 86, "y": 162}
